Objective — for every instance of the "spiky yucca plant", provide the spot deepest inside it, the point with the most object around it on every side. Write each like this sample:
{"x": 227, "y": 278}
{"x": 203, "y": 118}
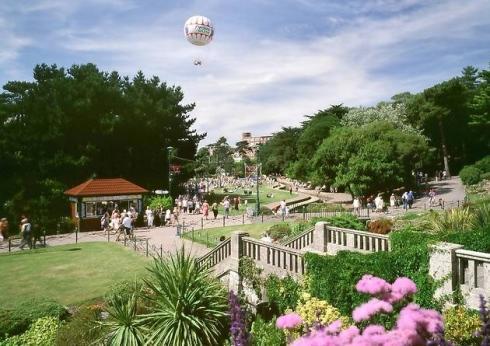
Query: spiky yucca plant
{"x": 124, "y": 326}
{"x": 454, "y": 220}
{"x": 188, "y": 306}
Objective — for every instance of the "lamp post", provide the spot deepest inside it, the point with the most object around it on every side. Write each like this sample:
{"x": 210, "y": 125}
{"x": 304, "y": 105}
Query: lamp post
{"x": 169, "y": 152}
{"x": 257, "y": 180}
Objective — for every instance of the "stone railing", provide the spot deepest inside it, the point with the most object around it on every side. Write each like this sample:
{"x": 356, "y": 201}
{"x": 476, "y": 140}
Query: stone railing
{"x": 473, "y": 275}
{"x": 216, "y": 255}
{"x": 459, "y": 269}
{"x": 273, "y": 258}
{"x": 348, "y": 239}
{"x": 301, "y": 240}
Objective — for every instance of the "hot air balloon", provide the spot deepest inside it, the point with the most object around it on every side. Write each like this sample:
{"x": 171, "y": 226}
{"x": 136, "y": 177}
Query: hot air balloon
{"x": 199, "y": 30}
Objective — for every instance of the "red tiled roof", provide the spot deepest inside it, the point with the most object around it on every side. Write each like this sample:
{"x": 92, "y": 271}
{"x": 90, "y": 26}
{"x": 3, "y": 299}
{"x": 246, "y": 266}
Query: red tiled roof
{"x": 105, "y": 187}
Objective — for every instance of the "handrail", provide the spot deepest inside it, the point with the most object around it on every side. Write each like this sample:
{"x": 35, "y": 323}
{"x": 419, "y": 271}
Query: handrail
{"x": 273, "y": 246}
{"x": 473, "y": 255}
{"x": 289, "y": 241}
{"x": 214, "y": 251}
{"x": 363, "y": 233}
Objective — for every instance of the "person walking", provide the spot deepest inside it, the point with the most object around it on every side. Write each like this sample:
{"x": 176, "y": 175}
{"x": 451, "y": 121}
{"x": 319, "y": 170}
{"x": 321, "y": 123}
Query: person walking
{"x": 4, "y": 228}
{"x": 226, "y": 206}
{"x": 205, "y": 209}
{"x": 392, "y": 201}
{"x": 149, "y": 217}
{"x": 356, "y": 205}
{"x": 214, "y": 208}
{"x": 26, "y": 231}
{"x": 405, "y": 200}
{"x": 410, "y": 199}
{"x": 128, "y": 229}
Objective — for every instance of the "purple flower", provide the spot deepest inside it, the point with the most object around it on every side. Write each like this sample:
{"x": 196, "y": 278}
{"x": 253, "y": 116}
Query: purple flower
{"x": 289, "y": 321}
{"x": 485, "y": 319}
{"x": 238, "y": 328}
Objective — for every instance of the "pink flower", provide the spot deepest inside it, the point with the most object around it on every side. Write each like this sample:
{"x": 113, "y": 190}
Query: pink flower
{"x": 371, "y": 308}
{"x": 289, "y": 321}
{"x": 423, "y": 321}
{"x": 373, "y": 329}
{"x": 400, "y": 289}
{"x": 373, "y": 285}
{"x": 333, "y": 327}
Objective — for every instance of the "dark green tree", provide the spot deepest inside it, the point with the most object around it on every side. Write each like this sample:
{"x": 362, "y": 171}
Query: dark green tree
{"x": 280, "y": 151}
{"x": 70, "y": 125}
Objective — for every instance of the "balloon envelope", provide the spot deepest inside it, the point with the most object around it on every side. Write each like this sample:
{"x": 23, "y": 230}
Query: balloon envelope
{"x": 199, "y": 30}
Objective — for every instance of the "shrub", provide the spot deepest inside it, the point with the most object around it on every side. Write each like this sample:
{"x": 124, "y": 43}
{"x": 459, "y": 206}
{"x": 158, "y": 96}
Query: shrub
{"x": 17, "y": 320}
{"x": 123, "y": 325}
{"x": 42, "y": 332}
{"x": 461, "y": 325}
{"x": 158, "y": 202}
{"x": 454, "y": 220}
{"x": 476, "y": 240}
{"x": 66, "y": 225}
{"x": 380, "y": 226}
{"x": 470, "y": 175}
{"x": 414, "y": 326}
{"x": 483, "y": 164}
{"x": 283, "y": 292}
{"x": 266, "y": 334}
{"x": 188, "y": 306}
{"x": 279, "y": 231}
{"x": 485, "y": 176}
{"x": 409, "y": 257}
{"x": 313, "y": 310}
{"x": 482, "y": 215}
{"x": 124, "y": 289}
{"x": 346, "y": 221}
{"x": 83, "y": 326}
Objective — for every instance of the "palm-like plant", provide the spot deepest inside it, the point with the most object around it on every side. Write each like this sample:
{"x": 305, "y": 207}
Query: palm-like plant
{"x": 125, "y": 329}
{"x": 188, "y": 306}
{"x": 454, "y": 220}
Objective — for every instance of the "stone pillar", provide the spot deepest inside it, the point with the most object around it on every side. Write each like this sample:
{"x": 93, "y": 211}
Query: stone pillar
{"x": 234, "y": 282}
{"x": 320, "y": 237}
{"x": 443, "y": 266}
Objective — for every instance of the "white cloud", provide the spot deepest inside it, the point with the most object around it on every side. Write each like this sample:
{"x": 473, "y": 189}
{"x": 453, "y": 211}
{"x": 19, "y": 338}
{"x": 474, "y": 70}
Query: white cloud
{"x": 261, "y": 85}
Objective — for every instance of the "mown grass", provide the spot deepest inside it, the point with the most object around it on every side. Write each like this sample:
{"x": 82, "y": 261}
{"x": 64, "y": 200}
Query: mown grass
{"x": 69, "y": 274}
{"x": 210, "y": 236}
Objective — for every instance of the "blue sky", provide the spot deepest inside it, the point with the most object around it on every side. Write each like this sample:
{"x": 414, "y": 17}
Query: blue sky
{"x": 271, "y": 61}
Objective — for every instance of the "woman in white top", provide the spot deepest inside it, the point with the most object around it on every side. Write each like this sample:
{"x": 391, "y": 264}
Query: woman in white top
{"x": 392, "y": 200}
{"x": 149, "y": 216}
{"x": 167, "y": 217}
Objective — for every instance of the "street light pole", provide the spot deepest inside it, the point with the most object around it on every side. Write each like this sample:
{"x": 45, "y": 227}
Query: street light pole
{"x": 257, "y": 181}
{"x": 169, "y": 185}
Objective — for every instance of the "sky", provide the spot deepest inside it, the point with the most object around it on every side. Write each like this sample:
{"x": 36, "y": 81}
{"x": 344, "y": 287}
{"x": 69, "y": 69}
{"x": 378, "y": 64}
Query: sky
{"x": 271, "y": 62}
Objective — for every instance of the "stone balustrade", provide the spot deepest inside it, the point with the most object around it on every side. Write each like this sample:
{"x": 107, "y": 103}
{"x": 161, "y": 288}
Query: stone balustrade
{"x": 274, "y": 258}
{"x": 300, "y": 241}
{"x": 216, "y": 255}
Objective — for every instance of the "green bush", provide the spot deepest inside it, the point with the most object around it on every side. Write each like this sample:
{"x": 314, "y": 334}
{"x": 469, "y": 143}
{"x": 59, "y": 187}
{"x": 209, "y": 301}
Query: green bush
{"x": 461, "y": 326}
{"x": 476, "y": 240}
{"x": 470, "y": 175}
{"x": 66, "y": 225}
{"x": 483, "y": 164}
{"x": 124, "y": 289}
{"x": 279, "y": 231}
{"x": 283, "y": 292}
{"x": 333, "y": 278}
{"x": 266, "y": 333}
{"x": 346, "y": 221}
{"x": 485, "y": 176}
{"x": 17, "y": 320}
{"x": 157, "y": 202}
{"x": 83, "y": 326}
{"x": 454, "y": 220}
{"x": 42, "y": 332}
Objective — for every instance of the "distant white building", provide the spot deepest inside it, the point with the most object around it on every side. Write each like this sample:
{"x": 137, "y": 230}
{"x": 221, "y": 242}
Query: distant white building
{"x": 254, "y": 141}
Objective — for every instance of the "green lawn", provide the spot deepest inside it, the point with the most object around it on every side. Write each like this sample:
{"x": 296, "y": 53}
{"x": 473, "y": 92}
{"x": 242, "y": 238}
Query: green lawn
{"x": 68, "y": 274}
{"x": 277, "y": 195}
{"x": 210, "y": 236}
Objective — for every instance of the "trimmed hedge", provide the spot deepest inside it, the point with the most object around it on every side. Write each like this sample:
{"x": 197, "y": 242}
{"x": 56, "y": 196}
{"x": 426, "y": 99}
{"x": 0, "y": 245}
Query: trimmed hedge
{"x": 17, "y": 320}
{"x": 470, "y": 175}
{"x": 333, "y": 278}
